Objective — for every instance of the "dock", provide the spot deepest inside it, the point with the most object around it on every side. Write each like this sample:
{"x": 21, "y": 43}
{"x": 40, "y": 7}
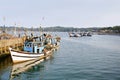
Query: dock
{"x": 7, "y": 40}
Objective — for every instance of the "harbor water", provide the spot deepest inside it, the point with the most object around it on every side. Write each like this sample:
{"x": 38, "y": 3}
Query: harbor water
{"x": 82, "y": 58}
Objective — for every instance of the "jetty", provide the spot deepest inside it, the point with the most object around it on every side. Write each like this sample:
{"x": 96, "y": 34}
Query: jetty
{"x": 8, "y": 40}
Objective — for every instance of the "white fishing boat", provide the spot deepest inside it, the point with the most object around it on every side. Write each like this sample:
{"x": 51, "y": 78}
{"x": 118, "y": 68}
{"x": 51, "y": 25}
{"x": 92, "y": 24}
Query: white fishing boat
{"x": 21, "y": 56}
{"x": 26, "y": 55}
{"x": 33, "y": 49}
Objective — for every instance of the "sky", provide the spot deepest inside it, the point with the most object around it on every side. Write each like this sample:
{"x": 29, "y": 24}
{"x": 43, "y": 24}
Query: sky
{"x": 66, "y": 13}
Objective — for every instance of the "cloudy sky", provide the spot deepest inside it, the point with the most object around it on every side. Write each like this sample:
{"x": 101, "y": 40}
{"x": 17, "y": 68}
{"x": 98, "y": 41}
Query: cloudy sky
{"x": 67, "y": 13}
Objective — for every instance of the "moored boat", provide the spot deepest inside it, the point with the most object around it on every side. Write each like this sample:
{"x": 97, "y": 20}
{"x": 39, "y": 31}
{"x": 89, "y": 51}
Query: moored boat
{"x": 21, "y": 56}
{"x": 34, "y": 48}
{"x": 81, "y": 34}
{"x": 74, "y": 35}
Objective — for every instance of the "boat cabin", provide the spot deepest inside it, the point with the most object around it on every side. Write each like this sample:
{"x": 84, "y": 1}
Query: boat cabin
{"x": 33, "y": 47}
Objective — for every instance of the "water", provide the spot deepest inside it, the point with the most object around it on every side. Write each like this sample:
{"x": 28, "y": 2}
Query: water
{"x": 85, "y": 58}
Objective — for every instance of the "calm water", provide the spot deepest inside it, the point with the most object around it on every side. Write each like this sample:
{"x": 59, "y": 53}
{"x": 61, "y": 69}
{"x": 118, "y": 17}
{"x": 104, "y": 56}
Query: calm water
{"x": 85, "y": 58}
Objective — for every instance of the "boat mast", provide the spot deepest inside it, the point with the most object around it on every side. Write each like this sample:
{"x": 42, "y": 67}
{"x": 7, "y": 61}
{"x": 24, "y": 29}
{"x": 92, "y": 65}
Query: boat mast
{"x": 32, "y": 31}
{"x": 41, "y": 31}
{"x": 4, "y": 25}
{"x": 15, "y": 30}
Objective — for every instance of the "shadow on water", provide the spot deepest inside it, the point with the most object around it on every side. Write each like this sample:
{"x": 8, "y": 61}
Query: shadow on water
{"x": 5, "y": 62}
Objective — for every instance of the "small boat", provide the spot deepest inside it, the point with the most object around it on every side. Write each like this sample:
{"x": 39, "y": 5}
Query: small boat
{"x": 81, "y": 34}
{"x": 33, "y": 49}
{"x": 74, "y": 35}
{"x": 89, "y": 34}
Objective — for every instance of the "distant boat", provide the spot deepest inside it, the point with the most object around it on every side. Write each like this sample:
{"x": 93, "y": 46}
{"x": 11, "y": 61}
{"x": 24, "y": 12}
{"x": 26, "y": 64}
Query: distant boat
{"x": 79, "y": 34}
{"x": 89, "y": 34}
{"x": 74, "y": 34}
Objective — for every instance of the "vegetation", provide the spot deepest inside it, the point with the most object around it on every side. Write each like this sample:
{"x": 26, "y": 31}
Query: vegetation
{"x": 50, "y": 29}
{"x": 114, "y": 29}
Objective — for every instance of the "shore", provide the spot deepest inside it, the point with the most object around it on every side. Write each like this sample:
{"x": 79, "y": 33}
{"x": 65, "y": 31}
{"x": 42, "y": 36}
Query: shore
{"x": 108, "y": 33}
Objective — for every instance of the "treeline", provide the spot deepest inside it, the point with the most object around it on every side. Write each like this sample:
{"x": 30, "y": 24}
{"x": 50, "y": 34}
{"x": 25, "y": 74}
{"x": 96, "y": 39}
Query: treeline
{"x": 69, "y": 29}
{"x": 47, "y": 29}
{"x": 114, "y": 29}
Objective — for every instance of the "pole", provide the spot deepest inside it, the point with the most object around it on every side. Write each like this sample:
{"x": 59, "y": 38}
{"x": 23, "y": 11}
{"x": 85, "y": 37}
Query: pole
{"x": 4, "y": 25}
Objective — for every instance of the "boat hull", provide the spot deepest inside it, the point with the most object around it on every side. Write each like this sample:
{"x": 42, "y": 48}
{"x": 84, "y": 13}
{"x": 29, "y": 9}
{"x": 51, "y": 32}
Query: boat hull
{"x": 20, "y": 56}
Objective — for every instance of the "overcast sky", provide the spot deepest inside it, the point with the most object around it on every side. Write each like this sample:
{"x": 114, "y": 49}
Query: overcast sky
{"x": 67, "y": 13}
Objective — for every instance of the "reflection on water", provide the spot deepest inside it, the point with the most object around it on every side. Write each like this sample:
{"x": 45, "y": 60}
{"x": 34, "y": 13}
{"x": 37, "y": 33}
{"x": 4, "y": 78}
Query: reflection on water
{"x": 21, "y": 67}
{"x": 29, "y": 67}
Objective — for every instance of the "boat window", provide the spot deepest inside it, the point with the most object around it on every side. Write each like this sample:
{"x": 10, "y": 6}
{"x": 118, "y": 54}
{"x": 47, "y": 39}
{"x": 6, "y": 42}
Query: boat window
{"x": 28, "y": 45}
{"x": 39, "y": 45}
{"x": 35, "y": 44}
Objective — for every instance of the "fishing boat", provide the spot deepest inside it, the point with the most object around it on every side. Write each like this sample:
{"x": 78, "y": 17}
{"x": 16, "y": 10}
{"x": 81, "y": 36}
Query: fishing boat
{"x": 34, "y": 48}
{"x": 22, "y": 56}
{"x": 73, "y": 34}
{"x": 81, "y": 34}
